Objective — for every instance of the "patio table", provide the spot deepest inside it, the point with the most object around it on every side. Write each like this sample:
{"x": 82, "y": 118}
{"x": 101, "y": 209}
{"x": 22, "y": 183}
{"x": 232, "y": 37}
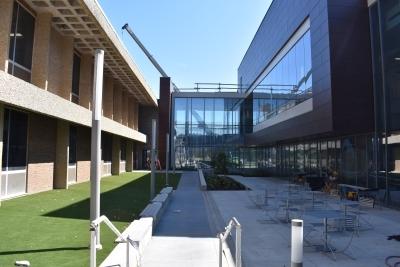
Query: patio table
{"x": 325, "y": 215}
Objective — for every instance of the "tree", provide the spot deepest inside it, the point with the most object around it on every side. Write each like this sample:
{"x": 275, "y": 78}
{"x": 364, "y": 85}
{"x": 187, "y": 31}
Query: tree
{"x": 220, "y": 164}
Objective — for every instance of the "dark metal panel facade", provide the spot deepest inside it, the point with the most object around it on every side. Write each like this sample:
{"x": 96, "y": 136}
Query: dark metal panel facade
{"x": 341, "y": 65}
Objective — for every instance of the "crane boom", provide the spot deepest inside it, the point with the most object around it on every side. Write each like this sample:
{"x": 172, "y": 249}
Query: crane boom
{"x": 147, "y": 53}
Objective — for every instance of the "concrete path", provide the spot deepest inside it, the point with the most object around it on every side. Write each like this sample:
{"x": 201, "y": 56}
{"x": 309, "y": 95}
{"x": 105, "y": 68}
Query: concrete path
{"x": 183, "y": 237}
{"x": 186, "y": 214}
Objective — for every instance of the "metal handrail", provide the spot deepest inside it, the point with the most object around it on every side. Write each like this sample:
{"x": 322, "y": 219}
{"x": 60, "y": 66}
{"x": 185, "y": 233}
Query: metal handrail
{"x": 233, "y": 223}
{"x": 240, "y": 88}
{"x": 94, "y": 227}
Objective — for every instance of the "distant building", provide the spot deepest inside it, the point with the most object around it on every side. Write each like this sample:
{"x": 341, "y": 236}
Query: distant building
{"x": 46, "y": 75}
{"x": 318, "y": 93}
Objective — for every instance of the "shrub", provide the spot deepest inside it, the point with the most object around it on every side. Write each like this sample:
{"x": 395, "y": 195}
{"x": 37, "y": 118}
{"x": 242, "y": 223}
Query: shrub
{"x": 215, "y": 182}
{"x": 220, "y": 163}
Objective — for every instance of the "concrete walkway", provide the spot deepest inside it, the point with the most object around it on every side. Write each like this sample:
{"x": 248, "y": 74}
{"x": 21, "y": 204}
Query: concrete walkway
{"x": 183, "y": 236}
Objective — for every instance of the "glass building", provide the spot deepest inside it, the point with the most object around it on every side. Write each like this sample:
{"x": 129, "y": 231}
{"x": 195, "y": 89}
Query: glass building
{"x": 385, "y": 35}
{"x": 203, "y": 127}
{"x": 316, "y": 96}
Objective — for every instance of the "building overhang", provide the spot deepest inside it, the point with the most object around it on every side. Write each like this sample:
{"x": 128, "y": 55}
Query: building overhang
{"x": 85, "y": 21}
{"x": 20, "y": 94}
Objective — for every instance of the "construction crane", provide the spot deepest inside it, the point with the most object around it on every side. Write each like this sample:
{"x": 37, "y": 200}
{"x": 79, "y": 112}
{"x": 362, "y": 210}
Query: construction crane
{"x": 147, "y": 53}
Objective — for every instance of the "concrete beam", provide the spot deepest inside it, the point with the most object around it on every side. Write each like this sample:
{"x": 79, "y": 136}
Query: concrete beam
{"x": 6, "y": 11}
{"x": 18, "y": 93}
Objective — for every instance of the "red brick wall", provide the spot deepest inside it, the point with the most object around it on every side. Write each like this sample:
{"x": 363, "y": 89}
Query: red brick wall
{"x": 83, "y": 171}
{"x": 40, "y": 177}
{"x": 41, "y": 153}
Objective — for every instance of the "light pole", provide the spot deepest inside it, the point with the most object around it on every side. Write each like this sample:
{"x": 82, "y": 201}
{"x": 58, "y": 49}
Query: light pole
{"x": 96, "y": 153}
{"x": 153, "y": 159}
{"x": 167, "y": 161}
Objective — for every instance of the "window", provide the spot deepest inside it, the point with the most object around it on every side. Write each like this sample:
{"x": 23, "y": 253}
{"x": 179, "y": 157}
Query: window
{"x": 76, "y": 69}
{"x": 72, "y": 144}
{"x": 21, "y": 43}
{"x": 15, "y": 139}
{"x": 123, "y": 149}
{"x": 106, "y": 147}
{"x": 287, "y": 84}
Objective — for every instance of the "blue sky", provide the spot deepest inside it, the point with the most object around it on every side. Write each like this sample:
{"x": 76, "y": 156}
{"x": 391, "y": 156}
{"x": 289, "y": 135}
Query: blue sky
{"x": 194, "y": 41}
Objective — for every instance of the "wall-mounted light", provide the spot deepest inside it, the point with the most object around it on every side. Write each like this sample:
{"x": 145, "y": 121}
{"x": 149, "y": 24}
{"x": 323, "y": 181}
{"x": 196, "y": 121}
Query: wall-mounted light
{"x": 17, "y": 34}
{"x": 397, "y": 58}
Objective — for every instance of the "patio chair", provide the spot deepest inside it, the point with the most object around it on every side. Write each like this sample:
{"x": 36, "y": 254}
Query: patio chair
{"x": 346, "y": 227}
{"x": 362, "y": 216}
{"x": 257, "y": 198}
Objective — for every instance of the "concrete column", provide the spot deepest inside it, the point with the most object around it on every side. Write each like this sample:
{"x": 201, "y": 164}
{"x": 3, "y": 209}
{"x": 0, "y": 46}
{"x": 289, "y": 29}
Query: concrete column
{"x": 6, "y": 11}
{"x": 136, "y": 116}
{"x": 133, "y": 111}
{"x": 85, "y": 82}
{"x": 164, "y": 116}
{"x": 108, "y": 97}
{"x": 116, "y": 155}
{"x": 62, "y": 149}
{"x": 67, "y": 63}
{"x": 125, "y": 114}
{"x": 1, "y": 136}
{"x": 41, "y": 50}
{"x": 129, "y": 155}
{"x": 117, "y": 103}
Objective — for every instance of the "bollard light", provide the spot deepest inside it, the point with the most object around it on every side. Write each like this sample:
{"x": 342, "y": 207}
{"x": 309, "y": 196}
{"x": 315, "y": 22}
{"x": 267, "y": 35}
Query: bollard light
{"x": 297, "y": 243}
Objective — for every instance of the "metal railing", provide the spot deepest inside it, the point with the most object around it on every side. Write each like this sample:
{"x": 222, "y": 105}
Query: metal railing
{"x": 233, "y": 223}
{"x": 290, "y": 100}
{"x": 94, "y": 228}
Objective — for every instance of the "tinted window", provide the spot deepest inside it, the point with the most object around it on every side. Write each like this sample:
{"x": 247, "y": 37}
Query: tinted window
{"x": 21, "y": 42}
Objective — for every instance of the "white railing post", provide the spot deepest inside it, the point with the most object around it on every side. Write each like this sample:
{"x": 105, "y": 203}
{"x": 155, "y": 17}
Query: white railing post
{"x": 238, "y": 254}
{"x": 127, "y": 252}
{"x": 220, "y": 241}
{"x": 93, "y": 246}
{"x": 238, "y": 241}
{"x": 94, "y": 228}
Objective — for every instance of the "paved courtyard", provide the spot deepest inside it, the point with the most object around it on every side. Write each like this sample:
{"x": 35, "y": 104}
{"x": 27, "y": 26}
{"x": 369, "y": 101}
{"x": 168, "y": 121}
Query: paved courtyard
{"x": 267, "y": 243}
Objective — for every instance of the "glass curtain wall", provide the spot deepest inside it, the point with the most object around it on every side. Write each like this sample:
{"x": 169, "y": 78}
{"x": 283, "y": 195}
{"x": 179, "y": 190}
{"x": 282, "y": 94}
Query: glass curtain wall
{"x": 349, "y": 158}
{"x": 287, "y": 84}
{"x": 385, "y": 41}
{"x": 204, "y": 127}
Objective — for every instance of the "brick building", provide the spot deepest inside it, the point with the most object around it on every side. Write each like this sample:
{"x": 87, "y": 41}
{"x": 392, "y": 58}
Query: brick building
{"x": 46, "y": 76}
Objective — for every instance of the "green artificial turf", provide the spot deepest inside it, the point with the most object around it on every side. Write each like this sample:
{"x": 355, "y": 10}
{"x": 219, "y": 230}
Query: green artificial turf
{"x": 52, "y": 228}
